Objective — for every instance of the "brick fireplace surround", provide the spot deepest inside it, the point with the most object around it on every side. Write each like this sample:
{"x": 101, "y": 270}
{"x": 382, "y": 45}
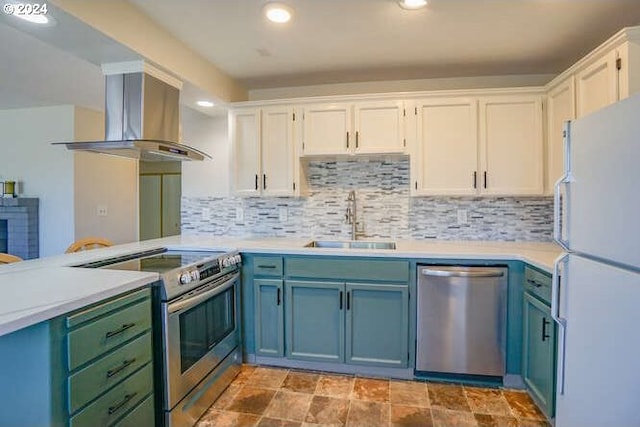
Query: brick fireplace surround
{"x": 21, "y": 230}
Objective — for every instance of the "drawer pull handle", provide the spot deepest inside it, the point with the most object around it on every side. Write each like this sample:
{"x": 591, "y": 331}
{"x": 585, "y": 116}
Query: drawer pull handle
{"x": 123, "y": 366}
{"x": 267, "y": 266}
{"x": 534, "y": 283}
{"x": 120, "y": 330}
{"x": 127, "y": 398}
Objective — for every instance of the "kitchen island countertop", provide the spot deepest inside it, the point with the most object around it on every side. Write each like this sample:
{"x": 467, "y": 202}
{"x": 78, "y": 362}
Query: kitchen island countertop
{"x": 41, "y": 289}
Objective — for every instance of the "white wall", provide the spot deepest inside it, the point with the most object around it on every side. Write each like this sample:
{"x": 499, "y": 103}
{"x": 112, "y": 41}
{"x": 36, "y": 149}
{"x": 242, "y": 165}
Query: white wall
{"x": 208, "y": 134}
{"x": 43, "y": 170}
{"x": 103, "y": 181}
{"x": 452, "y": 83}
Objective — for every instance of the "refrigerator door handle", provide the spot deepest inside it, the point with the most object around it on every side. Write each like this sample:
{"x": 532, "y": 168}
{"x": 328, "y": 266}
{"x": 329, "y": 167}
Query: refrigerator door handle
{"x": 565, "y": 179}
{"x": 562, "y": 322}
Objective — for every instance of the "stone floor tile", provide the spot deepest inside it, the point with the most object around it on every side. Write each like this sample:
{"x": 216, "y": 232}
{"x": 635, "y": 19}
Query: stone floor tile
{"x": 227, "y": 396}
{"x": 409, "y": 393}
{"x": 216, "y": 418}
{"x": 376, "y": 390}
{"x": 368, "y": 414}
{"x": 246, "y": 371}
{"x": 267, "y": 377}
{"x": 446, "y": 418}
{"x": 251, "y": 400}
{"x": 335, "y": 386}
{"x": 301, "y": 382}
{"x": 410, "y": 416}
{"x": 522, "y": 405}
{"x": 485, "y": 420}
{"x": 489, "y": 401}
{"x": 288, "y": 405}
{"x": 273, "y": 422}
{"x": 328, "y": 411}
{"x": 447, "y": 396}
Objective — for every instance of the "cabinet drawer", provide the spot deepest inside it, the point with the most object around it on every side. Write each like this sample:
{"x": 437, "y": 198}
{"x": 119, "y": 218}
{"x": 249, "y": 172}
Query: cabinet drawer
{"x": 267, "y": 266}
{"x": 537, "y": 283}
{"x": 141, "y": 416}
{"x": 106, "y": 333}
{"x": 348, "y": 269}
{"x": 102, "y": 309}
{"x": 116, "y": 402}
{"x": 90, "y": 382}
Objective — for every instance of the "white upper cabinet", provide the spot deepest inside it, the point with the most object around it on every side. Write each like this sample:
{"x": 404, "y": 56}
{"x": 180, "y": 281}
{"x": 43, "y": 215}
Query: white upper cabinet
{"x": 277, "y": 151}
{"x": 379, "y": 127}
{"x": 597, "y": 84}
{"x": 445, "y": 157}
{"x": 264, "y": 151}
{"x": 244, "y": 126}
{"x": 327, "y": 129}
{"x": 360, "y": 128}
{"x": 560, "y": 108}
{"x": 511, "y": 145}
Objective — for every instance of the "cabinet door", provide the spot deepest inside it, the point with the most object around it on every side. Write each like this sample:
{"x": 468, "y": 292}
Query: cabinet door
{"x": 327, "y": 129}
{"x": 171, "y": 199}
{"x": 377, "y": 325}
{"x": 538, "y": 368}
{"x": 379, "y": 127}
{"x": 511, "y": 145}
{"x": 277, "y": 151}
{"x": 597, "y": 85}
{"x": 314, "y": 321}
{"x": 447, "y": 147}
{"x": 560, "y": 108}
{"x": 269, "y": 317}
{"x": 245, "y": 134}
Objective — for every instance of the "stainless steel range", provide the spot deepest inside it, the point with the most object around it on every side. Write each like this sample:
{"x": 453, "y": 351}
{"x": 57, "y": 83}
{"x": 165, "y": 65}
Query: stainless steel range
{"x": 197, "y": 313}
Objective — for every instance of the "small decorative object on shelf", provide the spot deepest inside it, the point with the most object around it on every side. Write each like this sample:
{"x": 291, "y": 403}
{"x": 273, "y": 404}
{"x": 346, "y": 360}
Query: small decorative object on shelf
{"x": 9, "y": 189}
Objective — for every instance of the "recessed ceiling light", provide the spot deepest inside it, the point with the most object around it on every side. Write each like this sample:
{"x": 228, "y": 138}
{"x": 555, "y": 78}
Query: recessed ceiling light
{"x": 205, "y": 103}
{"x": 278, "y": 12}
{"x": 412, "y": 4}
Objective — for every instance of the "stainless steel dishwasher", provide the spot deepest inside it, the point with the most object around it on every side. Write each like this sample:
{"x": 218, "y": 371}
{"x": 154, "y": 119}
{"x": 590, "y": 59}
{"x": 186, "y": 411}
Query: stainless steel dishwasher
{"x": 461, "y": 320}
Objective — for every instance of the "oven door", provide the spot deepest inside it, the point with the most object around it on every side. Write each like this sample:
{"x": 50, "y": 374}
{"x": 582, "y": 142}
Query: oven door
{"x": 200, "y": 329}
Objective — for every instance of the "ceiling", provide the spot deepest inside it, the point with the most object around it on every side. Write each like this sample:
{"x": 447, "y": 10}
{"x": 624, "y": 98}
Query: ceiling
{"x": 328, "y": 41}
{"x": 331, "y": 41}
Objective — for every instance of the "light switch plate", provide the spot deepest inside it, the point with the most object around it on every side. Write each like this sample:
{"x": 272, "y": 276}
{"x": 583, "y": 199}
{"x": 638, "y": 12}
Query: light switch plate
{"x": 239, "y": 214}
{"x": 206, "y": 213}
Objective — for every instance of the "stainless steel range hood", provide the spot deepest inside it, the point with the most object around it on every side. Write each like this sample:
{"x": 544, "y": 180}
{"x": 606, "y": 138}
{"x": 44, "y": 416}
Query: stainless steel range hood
{"x": 142, "y": 116}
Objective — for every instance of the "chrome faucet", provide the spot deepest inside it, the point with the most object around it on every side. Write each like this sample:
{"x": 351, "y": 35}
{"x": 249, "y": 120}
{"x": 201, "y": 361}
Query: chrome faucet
{"x": 351, "y": 216}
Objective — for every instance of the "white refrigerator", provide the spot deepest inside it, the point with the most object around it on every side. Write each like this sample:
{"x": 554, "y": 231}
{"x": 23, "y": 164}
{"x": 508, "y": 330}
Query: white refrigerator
{"x": 596, "y": 283}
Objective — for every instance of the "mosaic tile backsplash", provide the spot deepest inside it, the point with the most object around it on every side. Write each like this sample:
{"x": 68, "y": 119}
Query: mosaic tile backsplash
{"x": 385, "y": 209}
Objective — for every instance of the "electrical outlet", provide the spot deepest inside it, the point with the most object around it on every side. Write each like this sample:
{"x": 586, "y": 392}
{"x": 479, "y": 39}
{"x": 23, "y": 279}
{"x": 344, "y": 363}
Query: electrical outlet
{"x": 462, "y": 216}
{"x": 239, "y": 214}
{"x": 101, "y": 210}
{"x": 206, "y": 214}
{"x": 283, "y": 214}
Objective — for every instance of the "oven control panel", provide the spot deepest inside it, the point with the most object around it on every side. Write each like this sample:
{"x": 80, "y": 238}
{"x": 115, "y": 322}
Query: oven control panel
{"x": 203, "y": 272}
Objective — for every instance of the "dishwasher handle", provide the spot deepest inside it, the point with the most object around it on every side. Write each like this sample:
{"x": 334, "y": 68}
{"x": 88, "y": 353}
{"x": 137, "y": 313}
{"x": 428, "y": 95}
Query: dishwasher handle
{"x": 461, "y": 273}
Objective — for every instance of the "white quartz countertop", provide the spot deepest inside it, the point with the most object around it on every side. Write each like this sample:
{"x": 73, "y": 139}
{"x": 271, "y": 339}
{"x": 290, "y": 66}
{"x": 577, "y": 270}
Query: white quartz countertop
{"x": 37, "y": 290}
{"x": 39, "y": 294}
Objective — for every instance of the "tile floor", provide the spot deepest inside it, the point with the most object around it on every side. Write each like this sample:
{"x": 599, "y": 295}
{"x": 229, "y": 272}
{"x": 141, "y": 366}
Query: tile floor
{"x": 264, "y": 397}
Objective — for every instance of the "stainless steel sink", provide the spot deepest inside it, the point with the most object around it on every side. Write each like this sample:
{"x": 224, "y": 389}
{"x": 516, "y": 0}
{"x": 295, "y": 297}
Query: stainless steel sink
{"x": 350, "y": 244}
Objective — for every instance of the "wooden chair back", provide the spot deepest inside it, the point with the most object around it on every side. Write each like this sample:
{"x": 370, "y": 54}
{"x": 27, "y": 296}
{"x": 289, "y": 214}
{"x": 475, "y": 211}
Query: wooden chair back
{"x": 8, "y": 258}
{"x": 88, "y": 243}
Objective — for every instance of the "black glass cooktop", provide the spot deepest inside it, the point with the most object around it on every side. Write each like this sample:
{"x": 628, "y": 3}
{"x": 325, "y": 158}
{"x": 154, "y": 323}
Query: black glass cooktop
{"x": 162, "y": 262}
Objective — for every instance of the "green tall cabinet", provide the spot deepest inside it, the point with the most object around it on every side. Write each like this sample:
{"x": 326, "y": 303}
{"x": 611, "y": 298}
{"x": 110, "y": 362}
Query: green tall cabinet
{"x": 539, "y": 341}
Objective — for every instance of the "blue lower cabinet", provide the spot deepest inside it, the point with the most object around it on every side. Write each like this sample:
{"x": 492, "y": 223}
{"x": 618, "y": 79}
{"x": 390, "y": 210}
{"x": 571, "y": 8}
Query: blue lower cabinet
{"x": 314, "y": 320}
{"x": 377, "y": 325}
{"x": 269, "y": 317}
{"x": 539, "y": 353}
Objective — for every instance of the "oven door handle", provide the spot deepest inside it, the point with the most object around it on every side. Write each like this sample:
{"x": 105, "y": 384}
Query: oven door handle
{"x": 197, "y": 299}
